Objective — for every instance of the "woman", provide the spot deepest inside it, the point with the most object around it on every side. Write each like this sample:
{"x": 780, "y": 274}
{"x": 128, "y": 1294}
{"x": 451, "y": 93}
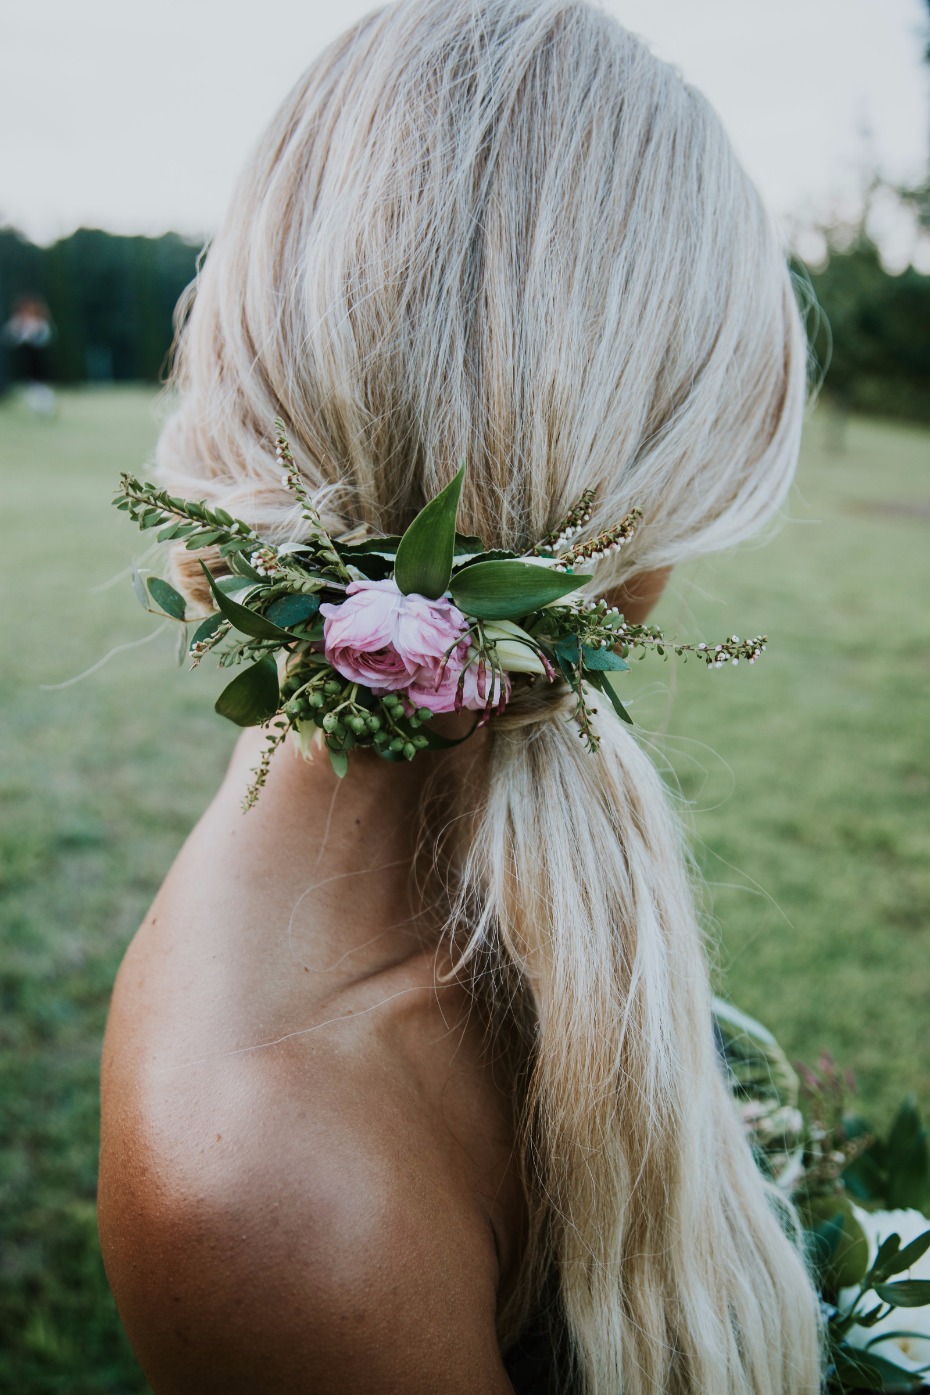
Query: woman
{"x": 401, "y": 1070}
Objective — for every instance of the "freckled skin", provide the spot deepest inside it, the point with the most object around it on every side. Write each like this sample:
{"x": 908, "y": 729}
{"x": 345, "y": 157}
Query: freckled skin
{"x": 307, "y": 1180}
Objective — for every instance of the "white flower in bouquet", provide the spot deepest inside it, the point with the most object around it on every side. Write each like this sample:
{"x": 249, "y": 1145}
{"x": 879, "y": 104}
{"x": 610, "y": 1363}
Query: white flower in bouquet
{"x": 903, "y": 1336}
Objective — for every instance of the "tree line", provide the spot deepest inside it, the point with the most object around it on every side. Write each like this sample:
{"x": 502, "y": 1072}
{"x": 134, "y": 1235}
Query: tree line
{"x": 111, "y": 300}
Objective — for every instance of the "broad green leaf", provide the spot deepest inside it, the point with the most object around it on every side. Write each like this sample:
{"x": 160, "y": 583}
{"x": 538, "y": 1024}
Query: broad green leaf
{"x": 823, "y": 1242}
{"x": 508, "y": 590}
{"x": 292, "y": 610}
{"x": 165, "y": 596}
{"x": 423, "y": 564}
{"x": 252, "y": 697}
{"x": 906, "y": 1293}
{"x": 466, "y": 544}
{"x": 246, "y": 621}
{"x": 602, "y": 660}
{"x": 849, "y": 1257}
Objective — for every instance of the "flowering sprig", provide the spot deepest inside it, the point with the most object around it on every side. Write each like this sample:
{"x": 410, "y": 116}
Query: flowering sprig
{"x": 359, "y": 642}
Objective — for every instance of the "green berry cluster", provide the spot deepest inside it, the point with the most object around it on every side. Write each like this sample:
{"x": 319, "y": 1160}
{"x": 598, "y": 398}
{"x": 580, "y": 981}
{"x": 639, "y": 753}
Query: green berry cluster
{"x": 351, "y": 716}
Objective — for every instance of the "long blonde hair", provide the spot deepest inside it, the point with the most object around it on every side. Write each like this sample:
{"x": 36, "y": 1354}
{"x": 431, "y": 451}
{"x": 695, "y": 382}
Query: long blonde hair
{"x": 502, "y": 230}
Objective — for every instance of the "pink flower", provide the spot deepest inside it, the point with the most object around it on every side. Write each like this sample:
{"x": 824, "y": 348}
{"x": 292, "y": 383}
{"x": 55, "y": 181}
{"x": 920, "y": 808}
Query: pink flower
{"x": 391, "y": 642}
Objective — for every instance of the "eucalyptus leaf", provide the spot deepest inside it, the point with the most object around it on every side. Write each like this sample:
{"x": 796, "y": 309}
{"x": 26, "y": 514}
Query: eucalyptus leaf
{"x": 246, "y": 621}
{"x": 252, "y": 697}
{"x": 292, "y": 610}
{"x": 602, "y": 660}
{"x": 138, "y": 585}
{"x": 165, "y": 596}
{"x": 423, "y": 564}
{"x": 508, "y": 590}
{"x": 568, "y": 647}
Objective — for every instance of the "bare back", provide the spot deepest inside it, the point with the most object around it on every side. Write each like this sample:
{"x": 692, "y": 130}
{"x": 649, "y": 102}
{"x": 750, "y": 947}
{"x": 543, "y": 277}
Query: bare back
{"x": 307, "y": 1178}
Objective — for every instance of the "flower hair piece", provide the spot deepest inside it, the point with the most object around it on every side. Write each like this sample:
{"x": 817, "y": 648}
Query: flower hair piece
{"x": 380, "y": 635}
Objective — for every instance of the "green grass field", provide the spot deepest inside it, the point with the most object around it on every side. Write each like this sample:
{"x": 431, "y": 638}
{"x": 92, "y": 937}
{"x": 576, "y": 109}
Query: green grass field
{"x": 808, "y": 777}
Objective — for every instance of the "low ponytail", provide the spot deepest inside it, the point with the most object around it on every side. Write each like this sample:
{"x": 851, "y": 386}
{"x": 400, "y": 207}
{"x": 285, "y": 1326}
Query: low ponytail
{"x": 676, "y": 1272}
{"x": 503, "y": 231}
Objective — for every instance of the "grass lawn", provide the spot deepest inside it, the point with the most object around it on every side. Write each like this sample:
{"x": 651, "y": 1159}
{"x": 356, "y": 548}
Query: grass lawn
{"x": 808, "y": 779}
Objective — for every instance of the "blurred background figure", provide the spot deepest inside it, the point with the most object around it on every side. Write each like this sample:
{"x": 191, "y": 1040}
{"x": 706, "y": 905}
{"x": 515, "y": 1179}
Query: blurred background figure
{"x": 28, "y": 334}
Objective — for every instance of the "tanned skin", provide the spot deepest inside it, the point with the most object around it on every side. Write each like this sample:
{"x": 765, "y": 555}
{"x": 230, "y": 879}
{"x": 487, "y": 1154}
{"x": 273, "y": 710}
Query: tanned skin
{"x": 307, "y": 1178}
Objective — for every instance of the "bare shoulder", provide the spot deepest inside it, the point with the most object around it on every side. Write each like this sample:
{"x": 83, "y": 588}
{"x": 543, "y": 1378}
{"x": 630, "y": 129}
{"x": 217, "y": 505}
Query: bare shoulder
{"x": 310, "y": 1215}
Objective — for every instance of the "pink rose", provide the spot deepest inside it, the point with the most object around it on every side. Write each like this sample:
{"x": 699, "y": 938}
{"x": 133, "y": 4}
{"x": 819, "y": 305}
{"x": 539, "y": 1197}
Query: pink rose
{"x": 391, "y": 642}
{"x": 480, "y": 690}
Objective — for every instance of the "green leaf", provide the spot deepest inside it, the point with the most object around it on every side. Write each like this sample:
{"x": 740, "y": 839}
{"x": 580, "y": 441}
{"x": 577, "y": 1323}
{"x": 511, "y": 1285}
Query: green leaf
{"x": 823, "y": 1242}
{"x": 239, "y": 565}
{"x": 164, "y": 595}
{"x": 911, "y": 1253}
{"x": 383, "y": 547}
{"x": 856, "y": 1371}
{"x": 602, "y": 660}
{"x": 848, "y": 1259}
{"x": 865, "y": 1177}
{"x": 292, "y": 610}
{"x": 206, "y": 629}
{"x": 604, "y": 683}
{"x": 466, "y": 544}
{"x": 138, "y": 585}
{"x": 424, "y": 554}
{"x": 884, "y": 1260}
{"x": 509, "y": 590}
{"x": 491, "y": 554}
{"x": 908, "y": 1162}
{"x": 907, "y": 1293}
{"x": 252, "y": 697}
{"x": 246, "y": 621}
{"x": 339, "y": 760}
{"x": 230, "y": 584}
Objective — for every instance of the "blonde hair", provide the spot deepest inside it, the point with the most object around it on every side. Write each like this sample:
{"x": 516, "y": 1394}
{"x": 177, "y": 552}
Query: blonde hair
{"x": 502, "y": 230}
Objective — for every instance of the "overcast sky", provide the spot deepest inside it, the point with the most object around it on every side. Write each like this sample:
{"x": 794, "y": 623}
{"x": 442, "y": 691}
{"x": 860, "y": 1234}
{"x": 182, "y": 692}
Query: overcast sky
{"x": 136, "y": 116}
